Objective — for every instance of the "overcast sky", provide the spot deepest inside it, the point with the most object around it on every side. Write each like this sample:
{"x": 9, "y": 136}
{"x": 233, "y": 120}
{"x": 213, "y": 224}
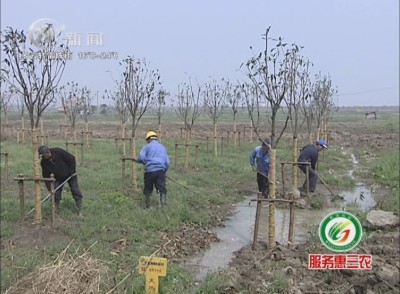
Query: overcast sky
{"x": 356, "y": 42}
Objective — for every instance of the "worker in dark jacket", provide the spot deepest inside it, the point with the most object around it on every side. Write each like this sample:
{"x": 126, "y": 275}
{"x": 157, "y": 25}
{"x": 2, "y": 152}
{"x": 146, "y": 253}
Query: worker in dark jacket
{"x": 62, "y": 165}
{"x": 155, "y": 159}
{"x": 309, "y": 153}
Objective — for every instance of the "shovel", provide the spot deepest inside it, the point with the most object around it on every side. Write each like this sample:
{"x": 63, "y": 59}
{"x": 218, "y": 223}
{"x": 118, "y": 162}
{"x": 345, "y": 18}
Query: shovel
{"x": 48, "y": 196}
{"x": 329, "y": 189}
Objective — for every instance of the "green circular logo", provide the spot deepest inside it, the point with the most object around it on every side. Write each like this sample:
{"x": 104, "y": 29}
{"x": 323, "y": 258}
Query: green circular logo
{"x": 340, "y": 231}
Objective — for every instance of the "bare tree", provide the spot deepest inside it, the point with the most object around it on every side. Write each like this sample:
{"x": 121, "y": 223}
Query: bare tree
{"x": 122, "y": 110}
{"x": 188, "y": 110}
{"x": 139, "y": 92}
{"x": 69, "y": 95}
{"x": 308, "y": 111}
{"x": 323, "y": 93}
{"x": 215, "y": 96}
{"x": 86, "y": 110}
{"x": 235, "y": 99}
{"x": 35, "y": 74}
{"x": 21, "y": 108}
{"x": 254, "y": 107}
{"x": 299, "y": 91}
{"x": 6, "y": 96}
{"x": 269, "y": 71}
{"x": 160, "y": 104}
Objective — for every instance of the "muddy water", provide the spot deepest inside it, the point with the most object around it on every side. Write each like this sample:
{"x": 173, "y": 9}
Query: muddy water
{"x": 237, "y": 233}
{"x": 238, "y": 230}
{"x": 305, "y": 222}
{"x": 359, "y": 196}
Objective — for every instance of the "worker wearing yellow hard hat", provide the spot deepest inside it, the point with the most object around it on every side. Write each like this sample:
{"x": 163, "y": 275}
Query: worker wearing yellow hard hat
{"x": 154, "y": 157}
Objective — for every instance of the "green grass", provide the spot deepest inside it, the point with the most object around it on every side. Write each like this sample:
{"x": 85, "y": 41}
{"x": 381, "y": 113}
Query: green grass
{"x": 385, "y": 170}
{"x": 111, "y": 213}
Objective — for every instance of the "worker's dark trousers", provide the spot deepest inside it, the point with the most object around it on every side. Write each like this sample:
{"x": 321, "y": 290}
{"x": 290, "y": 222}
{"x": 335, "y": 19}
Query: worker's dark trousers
{"x": 263, "y": 185}
{"x": 312, "y": 176}
{"x": 155, "y": 179}
{"x": 73, "y": 185}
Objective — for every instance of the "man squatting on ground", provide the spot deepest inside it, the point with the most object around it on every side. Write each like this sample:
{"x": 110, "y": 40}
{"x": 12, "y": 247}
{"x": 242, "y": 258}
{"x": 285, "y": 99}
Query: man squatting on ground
{"x": 309, "y": 153}
{"x": 155, "y": 159}
{"x": 62, "y": 164}
{"x": 259, "y": 161}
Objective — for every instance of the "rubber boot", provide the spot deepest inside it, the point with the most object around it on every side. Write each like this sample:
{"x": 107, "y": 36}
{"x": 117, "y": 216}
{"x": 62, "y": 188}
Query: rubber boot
{"x": 147, "y": 200}
{"x": 57, "y": 207}
{"x": 78, "y": 203}
{"x": 163, "y": 199}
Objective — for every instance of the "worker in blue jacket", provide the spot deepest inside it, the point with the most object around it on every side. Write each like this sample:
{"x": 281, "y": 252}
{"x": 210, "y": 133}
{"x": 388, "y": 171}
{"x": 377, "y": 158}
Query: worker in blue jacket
{"x": 309, "y": 153}
{"x": 259, "y": 161}
{"x": 155, "y": 159}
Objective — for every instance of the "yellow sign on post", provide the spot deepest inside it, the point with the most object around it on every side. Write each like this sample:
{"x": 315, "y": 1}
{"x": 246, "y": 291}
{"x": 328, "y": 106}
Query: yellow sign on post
{"x": 152, "y": 267}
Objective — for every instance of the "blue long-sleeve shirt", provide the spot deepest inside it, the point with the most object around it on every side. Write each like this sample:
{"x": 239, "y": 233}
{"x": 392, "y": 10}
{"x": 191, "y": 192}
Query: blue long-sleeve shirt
{"x": 154, "y": 156}
{"x": 261, "y": 160}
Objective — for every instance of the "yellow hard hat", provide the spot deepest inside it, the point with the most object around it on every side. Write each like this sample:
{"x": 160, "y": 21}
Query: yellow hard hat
{"x": 151, "y": 134}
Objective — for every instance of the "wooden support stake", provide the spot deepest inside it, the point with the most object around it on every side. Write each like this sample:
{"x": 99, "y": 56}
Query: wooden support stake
{"x": 176, "y": 154}
{"x": 291, "y": 219}
{"x": 257, "y": 220}
{"x": 53, "y": 204}
{"x": 196, "y": 154}
{"x": 21, "y": 197}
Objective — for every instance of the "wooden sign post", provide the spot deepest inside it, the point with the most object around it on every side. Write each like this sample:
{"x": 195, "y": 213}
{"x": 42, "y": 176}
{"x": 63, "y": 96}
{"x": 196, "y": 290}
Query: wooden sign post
{"x": 152, "y": 267}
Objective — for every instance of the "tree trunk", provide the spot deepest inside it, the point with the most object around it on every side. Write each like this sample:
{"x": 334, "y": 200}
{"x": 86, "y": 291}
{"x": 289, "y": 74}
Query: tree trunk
{"x": 87, "y": 134}
{"x": 123, "y": 130}
{"x": 234, "y": 130}
{"x": 295, "y": 168}
{"x": 215, "y": 140}
{"x": 317, "y": 138}
{"x": 41, "y": 131}
{"x": 75, "y": 148}
{"x": 23, "y": 129}
{"x": 187, "y": 148}
{"x": 251, "y": 131}
{"x": 272, "y": 189}
{"x": 159, "y": 132}
{"x": 134, "y": 170}
{"x": 65, "y": 125}
{"x": 36, "y": 169}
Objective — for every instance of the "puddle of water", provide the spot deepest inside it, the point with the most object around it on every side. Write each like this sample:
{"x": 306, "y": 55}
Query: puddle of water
{"x": 238, "y": 233}
{"x": 360, "y": 196}
{"x": 304, "y": 221}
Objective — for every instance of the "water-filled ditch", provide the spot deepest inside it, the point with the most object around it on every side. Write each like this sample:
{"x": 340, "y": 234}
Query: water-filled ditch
{"x": 238, "y": 230}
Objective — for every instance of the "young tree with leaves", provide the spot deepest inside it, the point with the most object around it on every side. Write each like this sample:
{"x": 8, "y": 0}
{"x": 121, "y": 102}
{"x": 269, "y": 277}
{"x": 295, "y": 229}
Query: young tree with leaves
{"x": 160, "y": 105}
{"x": 269, "y": 71}
{"x": 6, "y": 96}
{"x": 71, "y": 99}
{"x": 235, "y": 100}
{"x": 188, "y": 110}
{"x": 35, "y": 74}
{"x": 215, "y": 97}
{"x": 121, "y": 108}
{"x": 253, "y": 104}
{"x": 86, "y": 110}
{"x": 299, "y": 91}
{"x": 139, "y": 90}
{"x": 323, "y": 93}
